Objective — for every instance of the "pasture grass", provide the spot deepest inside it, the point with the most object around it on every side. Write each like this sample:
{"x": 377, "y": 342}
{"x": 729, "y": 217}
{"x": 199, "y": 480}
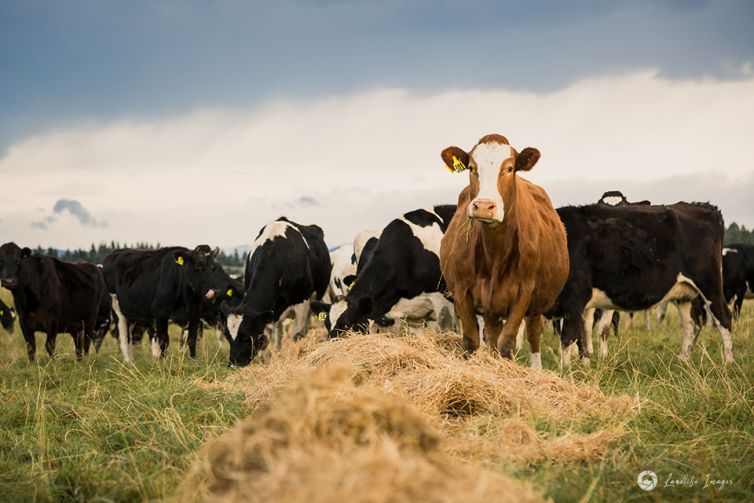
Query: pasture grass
{"x": 99, "y": 430}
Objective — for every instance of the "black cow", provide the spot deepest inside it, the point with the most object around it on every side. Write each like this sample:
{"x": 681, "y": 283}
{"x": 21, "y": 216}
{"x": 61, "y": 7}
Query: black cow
{"x": 52, "y": 297}
{"x": 148, "y": 286}
{"x": 738, "y": 274}
{"x": 7, "y": 317}
{"x": 630, "y": 258}
{"x": 288, "y": 264}
{"x": 403, "y": 263}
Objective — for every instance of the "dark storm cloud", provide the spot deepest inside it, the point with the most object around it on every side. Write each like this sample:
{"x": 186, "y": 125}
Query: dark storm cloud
{"x": 65, "y": 62}
{"x": 76, "y": 210}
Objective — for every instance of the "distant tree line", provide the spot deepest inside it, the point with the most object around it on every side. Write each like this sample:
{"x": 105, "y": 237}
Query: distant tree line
{"x": 97, "y": 253}
{"x": 738, "y": 234}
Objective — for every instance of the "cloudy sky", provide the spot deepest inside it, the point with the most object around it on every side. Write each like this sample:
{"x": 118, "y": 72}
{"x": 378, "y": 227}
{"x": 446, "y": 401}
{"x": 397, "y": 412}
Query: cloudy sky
{"x": 186, "y": 121}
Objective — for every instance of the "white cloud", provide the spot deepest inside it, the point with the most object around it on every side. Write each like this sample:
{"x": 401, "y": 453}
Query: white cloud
{"x": 217, "y": 175}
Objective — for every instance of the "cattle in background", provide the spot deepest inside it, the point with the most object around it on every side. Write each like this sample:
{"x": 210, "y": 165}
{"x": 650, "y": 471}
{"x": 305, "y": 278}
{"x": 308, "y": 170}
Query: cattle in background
{"x": 505, "y": 252}
{"x": 608, "y": 318}
{"x": 402, "y": 263}
{"x": 148, "y": 286}
{"x": 52, "y": 297}
{"x": 344, "y": 260}
{"x": 631, "y": 258}
{"x": 288, "y": 264}
{"x": 7, "y": 317}
{"x": 738, "y": 274}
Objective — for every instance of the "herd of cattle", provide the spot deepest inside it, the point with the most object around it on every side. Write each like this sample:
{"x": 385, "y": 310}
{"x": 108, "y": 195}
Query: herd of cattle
{"x": 501, "y": 259}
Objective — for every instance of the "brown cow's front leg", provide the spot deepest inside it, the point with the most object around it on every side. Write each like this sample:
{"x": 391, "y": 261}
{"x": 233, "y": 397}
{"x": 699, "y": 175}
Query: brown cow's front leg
{"x": 493, "y": 325}
{"x": 507, "y": 343}
{"x": 534, "y": 326}
{"x": 464, "y": 304}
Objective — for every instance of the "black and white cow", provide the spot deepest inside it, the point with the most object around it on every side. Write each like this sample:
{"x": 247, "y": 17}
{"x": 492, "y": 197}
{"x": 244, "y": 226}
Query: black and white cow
{"x": 402, "y": 264}
{"x": 631, "y": 258}
{"x": 288, "y": 264}
{"x": 738, "y": 274}
{"x": 344, "y": 260}
{"x": 52, "y": 296}
{"x": 7, "y": 317}
{"x": 148, "y": 286}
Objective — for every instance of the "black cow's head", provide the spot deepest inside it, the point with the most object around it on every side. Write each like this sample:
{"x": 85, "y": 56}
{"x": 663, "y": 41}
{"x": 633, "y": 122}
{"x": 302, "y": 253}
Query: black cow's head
{"x": 199, "y": 269}
{"x": 11, "y": 257}
{"x": 7, "y": 316}
{"x": 345, "y": 315}
{"x": 246, "y": 334}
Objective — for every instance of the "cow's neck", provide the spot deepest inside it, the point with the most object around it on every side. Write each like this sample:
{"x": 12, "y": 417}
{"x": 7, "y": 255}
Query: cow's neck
{"x": 500, "y": 241}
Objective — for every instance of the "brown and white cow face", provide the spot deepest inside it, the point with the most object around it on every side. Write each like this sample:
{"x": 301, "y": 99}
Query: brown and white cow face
{"x": 492, "y": 165}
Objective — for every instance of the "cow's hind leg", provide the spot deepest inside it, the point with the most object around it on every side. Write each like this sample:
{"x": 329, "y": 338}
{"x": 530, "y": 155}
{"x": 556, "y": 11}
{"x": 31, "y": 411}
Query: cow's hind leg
{"x": 588, "y": 328}
{"x": 301, "y": 320}
{"x": 78, "y": 343}
{"x": 534, "y": 326}
{"x": 123, "y": 332}
{"x": 688, "y": 328}
{"x": 721, "y": 317}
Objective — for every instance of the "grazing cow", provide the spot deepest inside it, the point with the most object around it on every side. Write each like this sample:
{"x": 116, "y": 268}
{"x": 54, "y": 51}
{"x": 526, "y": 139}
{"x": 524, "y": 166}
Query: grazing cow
{"x": 7, "y": 317}
{"x": 288, "y": 264}
{"x": 631, "y": 258}
{"x": 148, "y": 286}
{"x": 52, "y": 297}
{"x": 505, "y": 253}
{"x": 345, "y": 260}
{"x": 738, "y": 274}
{"x": 402, "y": 264}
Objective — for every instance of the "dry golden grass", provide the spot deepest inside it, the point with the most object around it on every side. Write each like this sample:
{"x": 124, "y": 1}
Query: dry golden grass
{"x": 376, "y": 418}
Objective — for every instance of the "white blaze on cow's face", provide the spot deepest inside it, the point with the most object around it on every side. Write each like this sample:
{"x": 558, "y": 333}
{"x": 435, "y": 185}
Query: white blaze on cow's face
{"x": 234, "y": 322}
{"x": 488, "y": 164}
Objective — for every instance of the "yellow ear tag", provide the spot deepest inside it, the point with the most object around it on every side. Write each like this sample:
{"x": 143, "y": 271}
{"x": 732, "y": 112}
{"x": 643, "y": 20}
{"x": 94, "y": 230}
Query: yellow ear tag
{"x": 458, "y": 165}
{"x": 322, "y": 316}
{"x": 351, "y": 285}
{"x": 229, "y": 293}
{"x": 179, "y": 260}
{"x": 2, "y": 312}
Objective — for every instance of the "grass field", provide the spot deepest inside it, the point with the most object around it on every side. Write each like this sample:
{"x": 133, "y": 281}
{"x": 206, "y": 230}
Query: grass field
{"x": 100, "y": 430}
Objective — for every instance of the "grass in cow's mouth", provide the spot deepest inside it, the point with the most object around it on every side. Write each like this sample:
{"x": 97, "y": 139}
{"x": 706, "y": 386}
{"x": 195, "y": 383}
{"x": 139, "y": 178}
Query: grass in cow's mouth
{"x": 102, "y": 430}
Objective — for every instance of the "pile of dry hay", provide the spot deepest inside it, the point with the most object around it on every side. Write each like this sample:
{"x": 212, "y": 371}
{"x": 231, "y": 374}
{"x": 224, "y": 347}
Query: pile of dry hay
{"x": 377, "y": 418}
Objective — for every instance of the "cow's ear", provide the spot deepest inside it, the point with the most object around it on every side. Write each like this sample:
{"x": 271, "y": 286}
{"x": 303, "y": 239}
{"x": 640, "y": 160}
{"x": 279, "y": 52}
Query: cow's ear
{"x": 455, "y": 159}
{"x": 215, "y": 252}
{"x": 349, "y": 280}
{"x": 180, "y": 257}
{"x": 322, "y": 309}
{"x": 25, "y": 252}
{"x": 365, "y": 305}
{"x": 526, "y": 159}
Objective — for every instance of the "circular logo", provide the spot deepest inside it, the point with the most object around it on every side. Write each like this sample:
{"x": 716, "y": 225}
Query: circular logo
{"x": 647, "y": 480}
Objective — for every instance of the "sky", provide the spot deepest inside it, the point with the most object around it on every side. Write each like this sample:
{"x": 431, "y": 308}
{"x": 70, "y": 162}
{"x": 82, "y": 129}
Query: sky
{"x": 186, "y": 122}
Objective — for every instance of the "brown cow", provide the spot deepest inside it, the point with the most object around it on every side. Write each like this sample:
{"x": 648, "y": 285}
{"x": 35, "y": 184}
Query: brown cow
{"x": 505, "y": 253}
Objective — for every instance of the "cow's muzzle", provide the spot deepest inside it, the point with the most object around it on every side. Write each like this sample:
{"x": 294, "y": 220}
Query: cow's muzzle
{"x": 9, "y": 283}
{"x": 484, "y": 209}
